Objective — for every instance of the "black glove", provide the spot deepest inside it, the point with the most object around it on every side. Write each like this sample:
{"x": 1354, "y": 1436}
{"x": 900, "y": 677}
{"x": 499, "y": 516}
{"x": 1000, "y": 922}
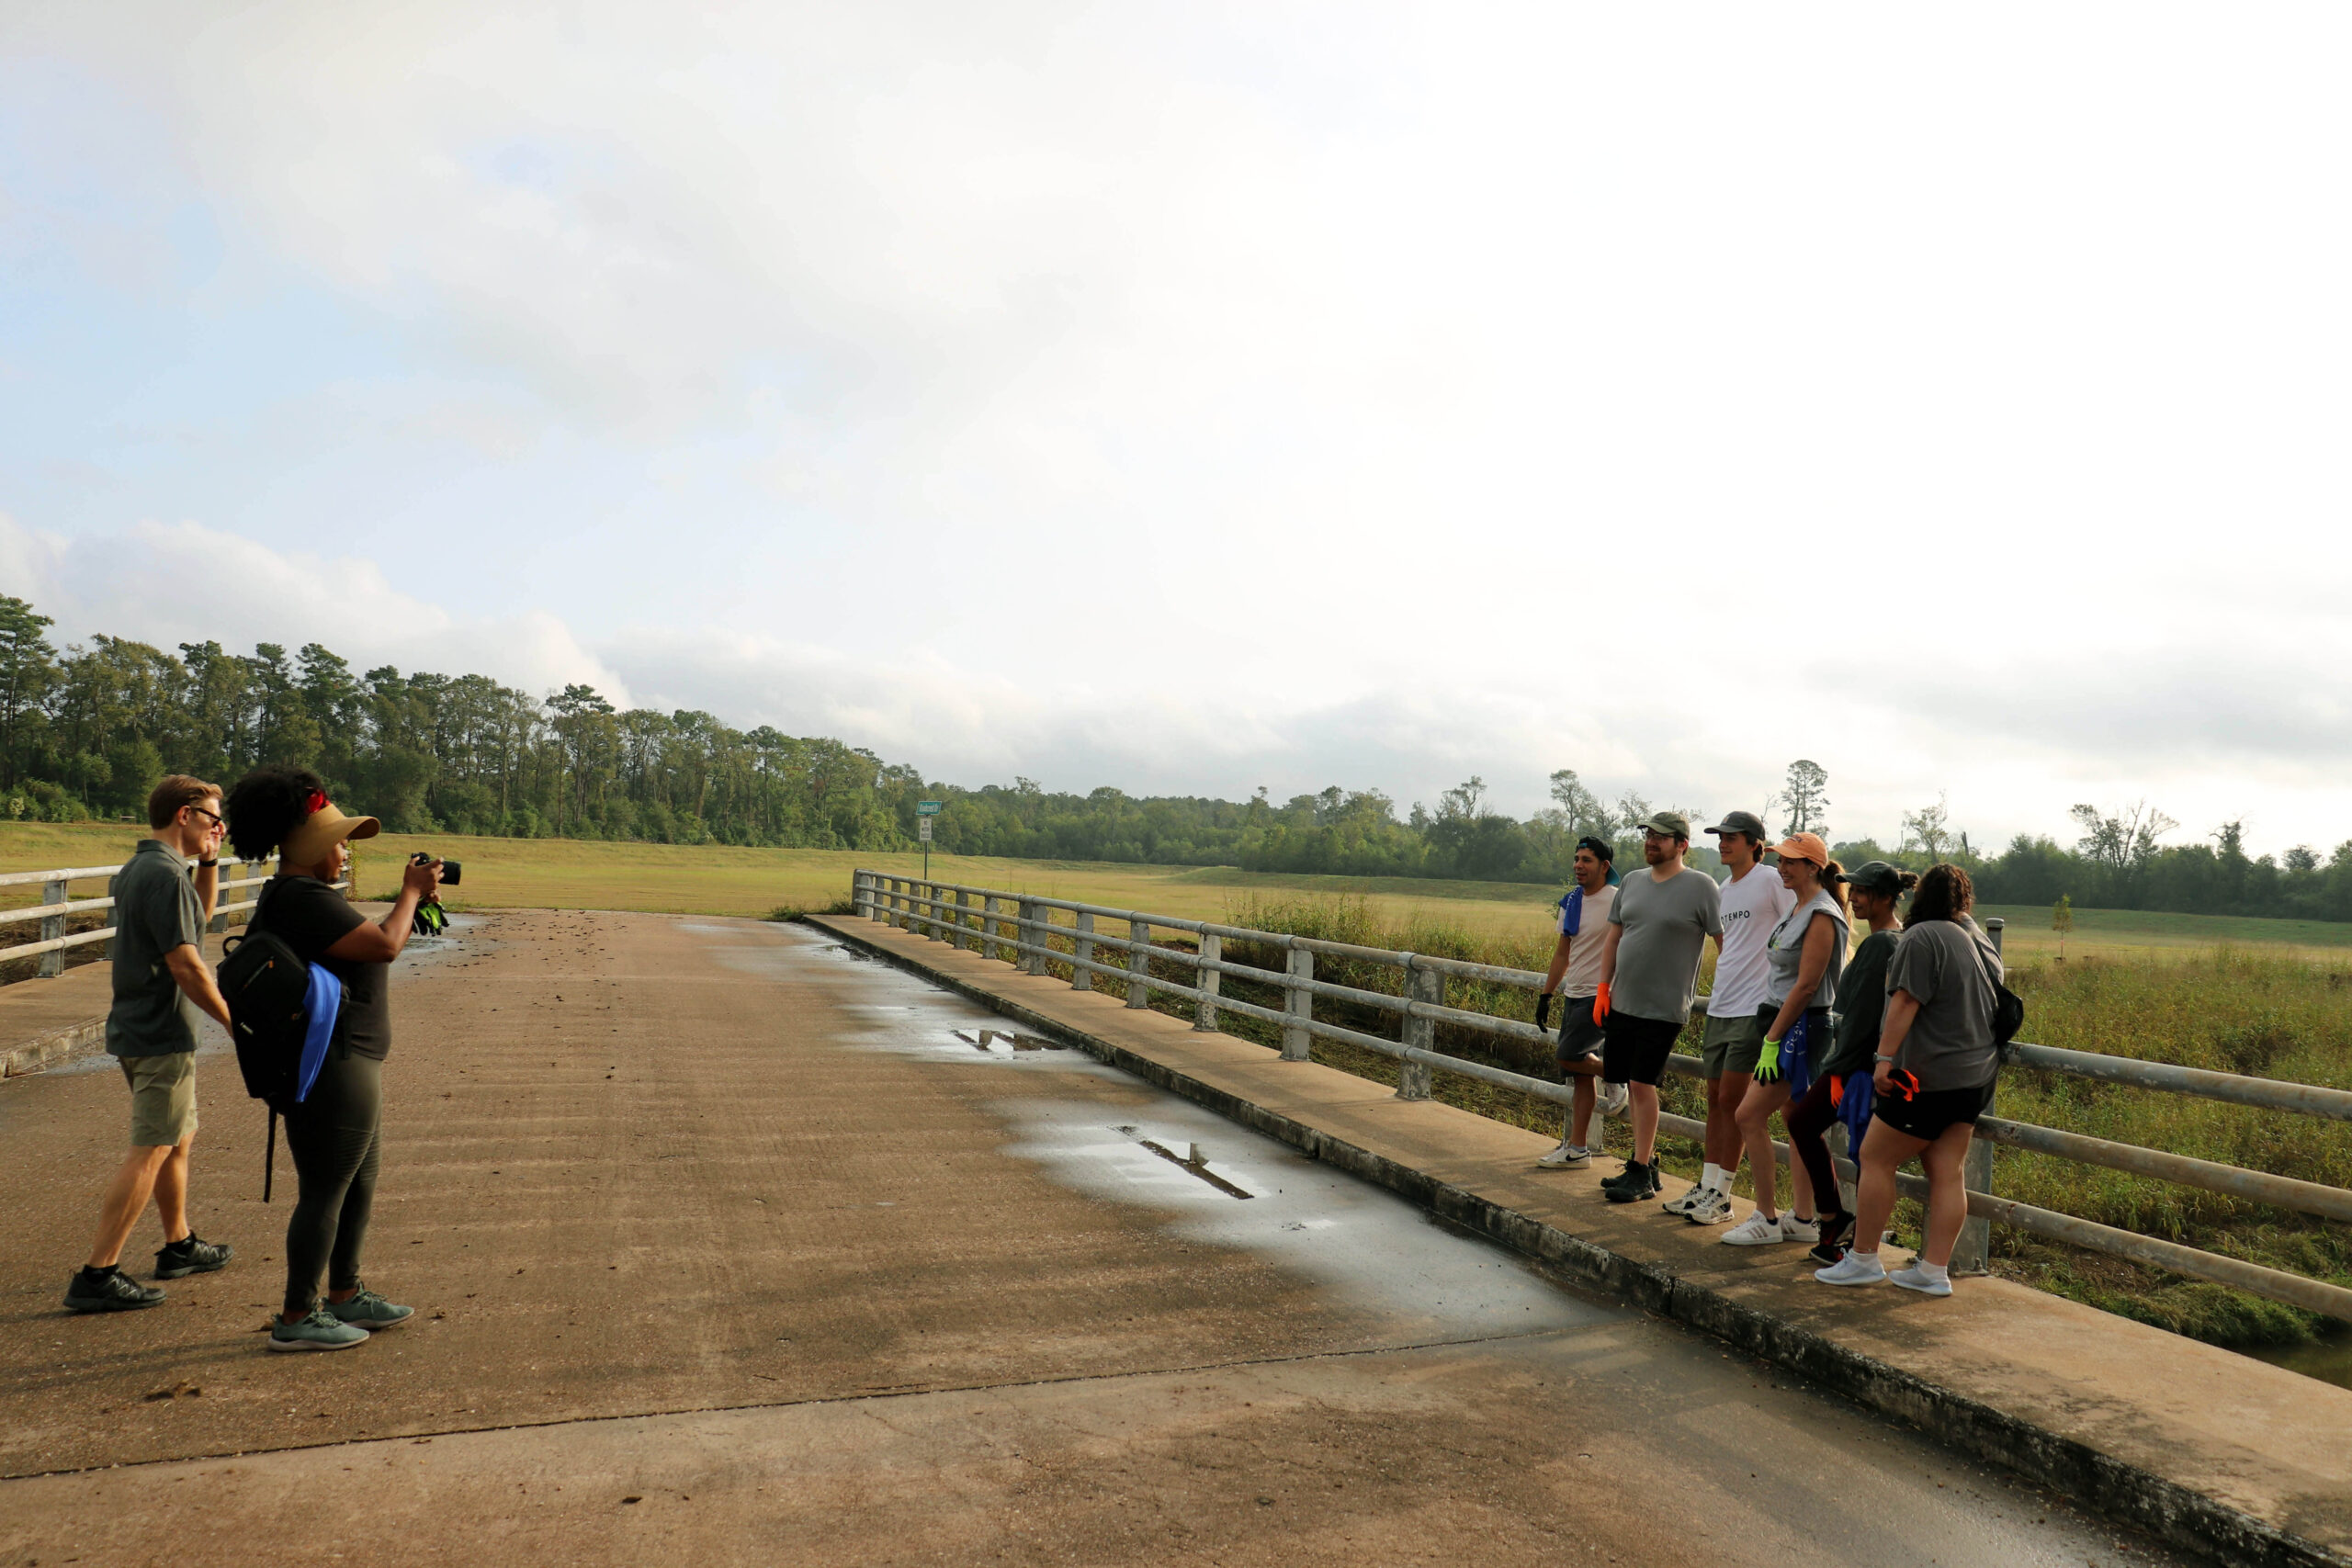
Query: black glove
{"x": 1543, "y": 1009}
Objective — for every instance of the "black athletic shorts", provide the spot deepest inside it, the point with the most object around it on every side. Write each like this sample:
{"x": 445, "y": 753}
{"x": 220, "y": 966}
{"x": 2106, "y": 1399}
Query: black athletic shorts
{"x": 1637, "y": 1048}
{"x": 1580, "y": 1036}
{"x": 1930, "y": 1113}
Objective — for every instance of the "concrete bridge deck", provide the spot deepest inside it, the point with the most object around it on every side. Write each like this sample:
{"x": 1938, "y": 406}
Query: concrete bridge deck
{"x": 728, "y": 1249}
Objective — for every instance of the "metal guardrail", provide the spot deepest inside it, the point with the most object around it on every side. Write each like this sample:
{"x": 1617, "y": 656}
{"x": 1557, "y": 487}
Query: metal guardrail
{"x": 1020, "y": 927}
{"x": 57, "y": 903}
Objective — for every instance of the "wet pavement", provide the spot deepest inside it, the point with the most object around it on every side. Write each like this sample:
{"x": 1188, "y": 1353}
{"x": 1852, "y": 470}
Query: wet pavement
{"x": 727, "y": 1243}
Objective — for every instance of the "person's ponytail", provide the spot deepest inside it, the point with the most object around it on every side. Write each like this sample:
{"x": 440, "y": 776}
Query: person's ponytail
{"x": 1833, "y": 882}
{"x": 266, "y": 805}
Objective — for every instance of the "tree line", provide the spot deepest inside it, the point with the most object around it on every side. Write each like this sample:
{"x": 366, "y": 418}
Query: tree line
{"x": 84, "y": 731}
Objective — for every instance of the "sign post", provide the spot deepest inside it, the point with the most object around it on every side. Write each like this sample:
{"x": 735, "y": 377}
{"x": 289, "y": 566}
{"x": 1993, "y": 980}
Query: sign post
{"x": 924, "y": 811}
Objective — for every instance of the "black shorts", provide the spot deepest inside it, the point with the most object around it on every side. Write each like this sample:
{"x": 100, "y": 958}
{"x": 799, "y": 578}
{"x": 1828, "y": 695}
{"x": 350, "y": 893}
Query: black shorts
{"x": 1580, "y": 1036}
{"x": 1637, "y": 1048}
{"x": 1929, "y": 1114}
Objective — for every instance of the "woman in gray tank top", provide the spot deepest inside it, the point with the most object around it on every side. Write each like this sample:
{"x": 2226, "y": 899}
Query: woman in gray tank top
{"x": 1803, "y": 958}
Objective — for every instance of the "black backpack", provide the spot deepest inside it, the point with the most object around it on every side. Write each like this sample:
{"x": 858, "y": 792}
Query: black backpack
{"x": 2009, "y": 1009}
{"x": 267, "y": 988}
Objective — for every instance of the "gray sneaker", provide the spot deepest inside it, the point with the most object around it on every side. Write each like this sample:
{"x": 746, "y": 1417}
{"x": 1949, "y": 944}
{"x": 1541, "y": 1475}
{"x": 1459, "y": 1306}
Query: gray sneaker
{"x": 1709, "y": 1208}
{"x": 319, "y": 1331}
{"x": 1683, "y": 1204}
{"x": 1610, "y": 1099}
{"x": 367, "y": 1310}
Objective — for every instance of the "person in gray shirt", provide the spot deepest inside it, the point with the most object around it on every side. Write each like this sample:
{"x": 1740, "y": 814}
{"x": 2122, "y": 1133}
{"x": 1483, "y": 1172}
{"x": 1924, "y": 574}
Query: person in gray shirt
{"x": 1649, "y": 975}
{"x": 161, "y": 983}
{"x": 1937, "y": 1062}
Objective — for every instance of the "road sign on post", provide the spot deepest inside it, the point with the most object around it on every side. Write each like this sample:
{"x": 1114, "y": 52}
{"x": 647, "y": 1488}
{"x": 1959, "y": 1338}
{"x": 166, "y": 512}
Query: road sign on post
{"x": 924, "y": 811}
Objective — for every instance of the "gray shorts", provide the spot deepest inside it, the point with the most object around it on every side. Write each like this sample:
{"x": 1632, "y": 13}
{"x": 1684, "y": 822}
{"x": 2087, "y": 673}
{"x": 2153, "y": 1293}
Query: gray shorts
{"x": 1733, "y": 1044}
{"x": 162, "y": 1098}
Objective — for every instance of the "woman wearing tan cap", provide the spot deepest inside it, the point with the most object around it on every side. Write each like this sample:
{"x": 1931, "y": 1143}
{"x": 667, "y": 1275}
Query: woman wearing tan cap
{"x": 333, "y": 1133}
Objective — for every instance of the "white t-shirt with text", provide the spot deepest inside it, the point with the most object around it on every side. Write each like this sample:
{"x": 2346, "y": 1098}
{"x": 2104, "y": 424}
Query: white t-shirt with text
{"x": 1752, "y": 906}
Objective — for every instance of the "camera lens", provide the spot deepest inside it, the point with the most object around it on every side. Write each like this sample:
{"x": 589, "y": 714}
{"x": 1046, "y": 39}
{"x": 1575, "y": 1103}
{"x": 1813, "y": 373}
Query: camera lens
{"x": 450, "y": 872}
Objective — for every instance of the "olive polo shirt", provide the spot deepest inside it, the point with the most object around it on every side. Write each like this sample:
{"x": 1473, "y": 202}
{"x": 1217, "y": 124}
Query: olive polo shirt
{"x": 156, "y": 910}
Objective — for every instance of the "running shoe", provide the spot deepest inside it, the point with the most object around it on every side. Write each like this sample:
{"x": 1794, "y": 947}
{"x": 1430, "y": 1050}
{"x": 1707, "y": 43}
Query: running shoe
{"x": 1916, "y": 1277}
{"x": 113, "y": 1291}
{"x": 367, "y": 1310}
{"x": 190, "y": 1255}
{"x": 1636, "y": 1182}
{"x": 1754, "y": 1231}
{"x": 319, "y": 1331}
{"x": 1836, "y": 1236}
{"x": 1567, "y": 1156}
{"x": 1612, "y": 1099}
{"x": 1712, "y": 1208}
{"x": 1794, "y": 1229}
{"x": 1681, "y": 1202}
{"x": 1854, "y": 1269}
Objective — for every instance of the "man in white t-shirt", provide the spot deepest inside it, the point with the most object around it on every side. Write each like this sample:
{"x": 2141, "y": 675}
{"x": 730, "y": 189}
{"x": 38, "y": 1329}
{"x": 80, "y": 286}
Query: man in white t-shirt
{"x": 1754, "y": 901}
{"x": 1576, "y": 959}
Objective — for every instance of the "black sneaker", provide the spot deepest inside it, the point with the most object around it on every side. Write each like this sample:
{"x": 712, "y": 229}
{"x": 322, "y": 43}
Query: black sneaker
{"x": 1836, "y": 1238}
{"x": 190, "y": 1256}
{"x": 113, "y": 1291}
{"x": 1638, "y": 1181}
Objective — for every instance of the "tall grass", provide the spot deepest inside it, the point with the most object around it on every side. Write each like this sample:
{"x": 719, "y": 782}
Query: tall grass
{"x": 2232, "y": 1010}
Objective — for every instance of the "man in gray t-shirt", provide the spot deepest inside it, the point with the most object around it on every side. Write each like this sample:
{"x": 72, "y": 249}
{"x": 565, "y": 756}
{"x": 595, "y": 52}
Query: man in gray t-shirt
{"x": 1649, "y": 975}
{"x": 161, "y": 983}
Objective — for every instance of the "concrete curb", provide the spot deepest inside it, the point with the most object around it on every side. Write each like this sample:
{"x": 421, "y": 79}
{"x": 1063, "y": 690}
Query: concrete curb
{"x": 2165, "y": 1508}
{"x": 59, "y": 1046}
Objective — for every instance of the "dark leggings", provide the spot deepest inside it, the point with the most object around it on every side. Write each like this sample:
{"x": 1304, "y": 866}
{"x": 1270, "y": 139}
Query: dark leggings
{"x": 333, "y": 1137}
{"x": 1809, "y": 1121}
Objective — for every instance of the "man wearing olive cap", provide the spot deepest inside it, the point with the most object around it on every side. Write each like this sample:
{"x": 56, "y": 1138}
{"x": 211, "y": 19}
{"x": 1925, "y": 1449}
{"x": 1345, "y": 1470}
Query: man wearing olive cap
{"x": 1649, "y": 977}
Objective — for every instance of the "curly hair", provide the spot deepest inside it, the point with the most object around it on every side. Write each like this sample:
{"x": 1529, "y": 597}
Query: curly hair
{"x": 266, "y": 805}
{"x": 1945, "y": 894}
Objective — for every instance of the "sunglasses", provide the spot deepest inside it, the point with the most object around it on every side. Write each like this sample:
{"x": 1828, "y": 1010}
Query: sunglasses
{"x": 218, "y": 820}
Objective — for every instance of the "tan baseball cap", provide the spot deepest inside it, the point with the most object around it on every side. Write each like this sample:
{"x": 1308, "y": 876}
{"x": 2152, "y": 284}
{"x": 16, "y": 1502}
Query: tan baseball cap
{"x": 325, "y": 826}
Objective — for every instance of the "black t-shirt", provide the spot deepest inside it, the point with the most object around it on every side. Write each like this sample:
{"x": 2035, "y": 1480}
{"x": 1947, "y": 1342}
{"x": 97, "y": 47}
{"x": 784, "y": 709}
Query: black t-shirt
{"x": 311, "y": 916}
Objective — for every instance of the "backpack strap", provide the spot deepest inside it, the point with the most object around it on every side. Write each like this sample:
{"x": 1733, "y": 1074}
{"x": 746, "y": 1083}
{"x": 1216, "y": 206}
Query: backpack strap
{"x": 269, "y": 1158}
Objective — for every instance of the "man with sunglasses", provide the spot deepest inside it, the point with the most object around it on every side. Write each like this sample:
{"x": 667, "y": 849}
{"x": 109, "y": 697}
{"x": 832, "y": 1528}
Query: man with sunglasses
{"x": 163, "y": 896}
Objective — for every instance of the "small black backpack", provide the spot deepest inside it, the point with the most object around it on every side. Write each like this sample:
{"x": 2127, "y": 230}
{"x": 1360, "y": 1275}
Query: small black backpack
{"x": 267, "y": 988}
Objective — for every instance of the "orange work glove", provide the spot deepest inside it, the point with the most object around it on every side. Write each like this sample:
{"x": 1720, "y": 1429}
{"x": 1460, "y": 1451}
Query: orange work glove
{"x": 1601, "y": 1006}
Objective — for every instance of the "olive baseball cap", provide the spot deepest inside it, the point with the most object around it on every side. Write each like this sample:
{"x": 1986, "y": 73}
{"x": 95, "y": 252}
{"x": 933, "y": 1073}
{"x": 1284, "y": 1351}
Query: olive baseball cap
{"x": 1672, "y": 824}
{"x": 1876, "y": 876}
{"x": 1741, "y": 822}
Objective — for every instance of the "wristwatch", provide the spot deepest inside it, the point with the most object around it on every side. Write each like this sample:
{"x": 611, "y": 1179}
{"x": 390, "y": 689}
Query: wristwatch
{"x": 203, "y": 864}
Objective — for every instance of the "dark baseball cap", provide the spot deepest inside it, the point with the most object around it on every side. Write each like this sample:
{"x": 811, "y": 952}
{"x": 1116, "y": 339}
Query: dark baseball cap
{"x": 1876, "y": 876}
{"x": 1740, "y": 822}
{"x": 1671, "y": 824}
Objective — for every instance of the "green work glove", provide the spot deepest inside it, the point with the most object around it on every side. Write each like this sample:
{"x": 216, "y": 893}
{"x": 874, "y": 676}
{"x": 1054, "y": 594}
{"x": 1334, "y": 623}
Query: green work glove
{"x": 1768, "y": 1063}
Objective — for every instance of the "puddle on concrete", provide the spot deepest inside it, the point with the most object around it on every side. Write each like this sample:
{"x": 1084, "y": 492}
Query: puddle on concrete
{"x": 1372, "y": 1247}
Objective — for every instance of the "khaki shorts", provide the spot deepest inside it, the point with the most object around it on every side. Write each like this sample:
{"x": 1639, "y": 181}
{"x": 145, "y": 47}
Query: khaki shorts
{"x": 162, "y": 1098}
{"x": 1733, "y": 1044}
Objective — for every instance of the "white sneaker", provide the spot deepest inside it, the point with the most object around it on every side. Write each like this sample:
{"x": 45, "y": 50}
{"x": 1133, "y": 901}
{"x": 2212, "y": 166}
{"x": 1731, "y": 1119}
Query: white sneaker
{"x": 1914, "y": 1278}
{"x": 1854, "y": 1269}
{"x": 1612, "y": 1100}
{"x": 1755, "y": 1231}
{"x": 1794, "y": 1229}
{"x": 1710, "y": 1208}
{"x": 1681, "y": 1206}
{"x": 1567, "y": 1156}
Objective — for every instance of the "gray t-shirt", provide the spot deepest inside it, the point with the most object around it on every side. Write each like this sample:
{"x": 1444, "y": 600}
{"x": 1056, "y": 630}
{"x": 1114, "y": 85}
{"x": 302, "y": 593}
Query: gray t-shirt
{"x": 1944, "y": 964}
{"x": 1665, "y": 929}
{"x": 156, "y": 910}
{"x": 1784, "y": 951}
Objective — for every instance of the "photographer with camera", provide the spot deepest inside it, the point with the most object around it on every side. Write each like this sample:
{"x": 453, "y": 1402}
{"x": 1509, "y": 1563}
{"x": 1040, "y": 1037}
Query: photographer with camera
{"x": 333, "y": 1133}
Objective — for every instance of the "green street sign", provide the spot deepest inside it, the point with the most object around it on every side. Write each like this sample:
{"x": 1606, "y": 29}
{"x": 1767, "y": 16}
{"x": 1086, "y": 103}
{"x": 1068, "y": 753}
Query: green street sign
{"x": 926, "y": 808}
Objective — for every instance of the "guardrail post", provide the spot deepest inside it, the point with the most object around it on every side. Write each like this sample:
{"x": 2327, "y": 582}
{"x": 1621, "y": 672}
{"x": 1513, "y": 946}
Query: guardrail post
{"x": 1972, "y": 1254}
{"x": 935, "y": 927}
{"x": 1421, "y": 986}
{"x": 1033, "y": 930}
{"x": 962, "y": 920}
{"x": 1139, "y": 965}
{"x": 856, "y": 893}
{"x": 1207, "y": 979}
{"x": 987, "y": 927}
{"x": 1299, "y": 1003}
{"x": 53, "y": 929}
{"x": 1081, "y": 979}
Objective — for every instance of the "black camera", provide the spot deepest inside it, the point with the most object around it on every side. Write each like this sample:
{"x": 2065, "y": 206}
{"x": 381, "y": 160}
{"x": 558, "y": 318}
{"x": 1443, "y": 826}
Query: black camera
{"x": 451, "y": 871}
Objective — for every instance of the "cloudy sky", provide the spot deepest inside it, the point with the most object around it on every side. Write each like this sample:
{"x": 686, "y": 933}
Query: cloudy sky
{"x": 1193, "y": 397}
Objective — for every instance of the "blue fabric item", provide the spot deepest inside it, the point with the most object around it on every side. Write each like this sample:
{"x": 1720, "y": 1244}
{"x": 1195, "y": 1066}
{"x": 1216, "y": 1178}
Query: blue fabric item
{"x": 1796, "y": 1067}
{"x": 1572, "y": 912}
{"x": 326, "y": 1001}
{"x": 1855, "y": 1109}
